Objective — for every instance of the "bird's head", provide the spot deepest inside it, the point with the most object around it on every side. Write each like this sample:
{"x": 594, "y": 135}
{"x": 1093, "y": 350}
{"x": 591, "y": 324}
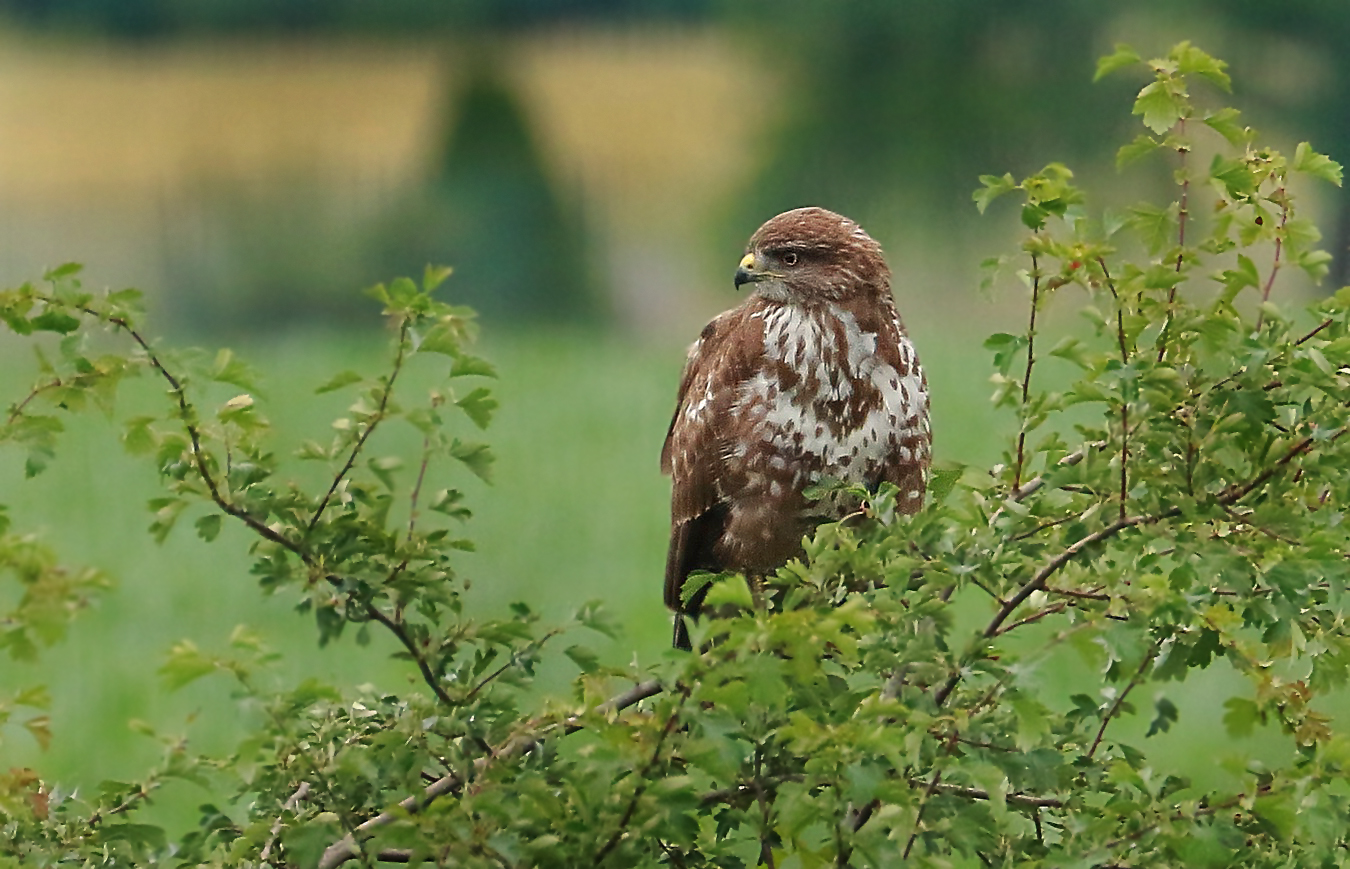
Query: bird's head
{"x": 810, "y": 255}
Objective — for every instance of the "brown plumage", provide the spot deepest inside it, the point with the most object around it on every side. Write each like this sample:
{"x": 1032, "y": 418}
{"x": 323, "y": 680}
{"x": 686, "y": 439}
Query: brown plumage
{"x": 812, "y": 376}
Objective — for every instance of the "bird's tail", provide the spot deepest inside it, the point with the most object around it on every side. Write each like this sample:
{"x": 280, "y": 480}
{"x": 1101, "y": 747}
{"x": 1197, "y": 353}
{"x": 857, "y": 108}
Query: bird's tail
{"x": 681, "y": 638}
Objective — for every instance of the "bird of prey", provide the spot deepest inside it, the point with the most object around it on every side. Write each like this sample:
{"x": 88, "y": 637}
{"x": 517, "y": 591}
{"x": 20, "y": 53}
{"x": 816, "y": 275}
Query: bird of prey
{"x": 813, "y": 376}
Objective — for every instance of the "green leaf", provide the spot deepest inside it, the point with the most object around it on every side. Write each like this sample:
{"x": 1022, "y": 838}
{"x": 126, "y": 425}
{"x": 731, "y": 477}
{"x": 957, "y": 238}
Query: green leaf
{"x": 1156, "y": 226}
{"x": 228, "y": 369}
{"x": 1193, "y": 61}
{"x": 1166, "y": 716}
{"x": 339, "y": 380}
{"x": 471, "y": 366}
{"x": 1160, "y": 106}
{"x": 1241, "y": 717}
{"x": 585, "y": 659}
{"x": 1279, "y": 811}
{"x": 434, "y": 276}
{"x": 1122, "y": 57}
{"x": 1315, "y": 164}
{"x": 186, "y": 664}
{"x": 1142, "y": 146}
{"x": 479, "y": 405}
{"x": 1227, "y": 123}
{"x": 994, "y": 187}
{"x": 476, "y": 457}
{"x": 208, "y": 527}
{"x": 731, "y": 590}
{"x": 138, "y": 438}
{"x": 138, "y": 835}
{"x": 593, "y": 615}
{"x": 54, "y": 320}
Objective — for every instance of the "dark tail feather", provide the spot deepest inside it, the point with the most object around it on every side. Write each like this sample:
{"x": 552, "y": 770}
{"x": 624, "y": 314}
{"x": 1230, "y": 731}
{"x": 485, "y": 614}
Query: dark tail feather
{"x": 681, "y": 639}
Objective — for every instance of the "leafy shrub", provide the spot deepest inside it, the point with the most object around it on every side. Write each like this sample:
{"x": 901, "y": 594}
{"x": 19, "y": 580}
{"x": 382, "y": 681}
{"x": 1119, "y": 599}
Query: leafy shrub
{"x": 844, "y": 713}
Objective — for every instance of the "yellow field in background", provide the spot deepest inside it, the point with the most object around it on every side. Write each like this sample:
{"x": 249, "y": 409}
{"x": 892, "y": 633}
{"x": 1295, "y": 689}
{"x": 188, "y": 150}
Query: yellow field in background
{"x": 101, "y": 143}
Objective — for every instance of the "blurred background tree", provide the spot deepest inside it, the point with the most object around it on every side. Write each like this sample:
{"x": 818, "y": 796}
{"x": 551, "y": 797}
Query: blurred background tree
{"x": 856, "y": 95}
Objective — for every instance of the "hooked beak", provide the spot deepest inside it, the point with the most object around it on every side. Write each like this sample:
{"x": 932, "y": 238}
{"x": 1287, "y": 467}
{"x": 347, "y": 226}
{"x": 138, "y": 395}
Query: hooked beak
{"x": 746, "y": 272}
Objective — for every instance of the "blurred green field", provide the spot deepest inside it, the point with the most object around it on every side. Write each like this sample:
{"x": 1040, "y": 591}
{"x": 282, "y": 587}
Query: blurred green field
{"x": 577, "y": 512}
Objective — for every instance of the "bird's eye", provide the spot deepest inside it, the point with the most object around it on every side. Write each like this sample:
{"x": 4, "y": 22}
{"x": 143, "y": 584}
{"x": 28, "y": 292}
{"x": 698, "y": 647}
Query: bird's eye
{"x": 790, "y": 258}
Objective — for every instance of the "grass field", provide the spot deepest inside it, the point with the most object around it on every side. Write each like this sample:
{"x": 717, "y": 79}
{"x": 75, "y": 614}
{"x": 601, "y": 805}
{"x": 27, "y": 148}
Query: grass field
{"x": 578, "y": 512}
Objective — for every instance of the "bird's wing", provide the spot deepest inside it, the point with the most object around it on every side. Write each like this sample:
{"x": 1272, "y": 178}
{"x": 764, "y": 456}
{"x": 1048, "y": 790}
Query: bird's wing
{"x": 698, "y": 440}
{"x": 907, "y": 466}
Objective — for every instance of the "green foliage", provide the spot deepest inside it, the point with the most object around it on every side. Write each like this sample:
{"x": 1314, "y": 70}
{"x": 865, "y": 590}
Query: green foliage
{"x": 901, "y": 694}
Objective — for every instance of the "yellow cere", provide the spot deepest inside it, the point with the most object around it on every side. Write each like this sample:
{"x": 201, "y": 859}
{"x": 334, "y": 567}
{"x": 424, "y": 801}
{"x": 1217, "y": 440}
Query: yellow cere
{"x": 748, "y": 261}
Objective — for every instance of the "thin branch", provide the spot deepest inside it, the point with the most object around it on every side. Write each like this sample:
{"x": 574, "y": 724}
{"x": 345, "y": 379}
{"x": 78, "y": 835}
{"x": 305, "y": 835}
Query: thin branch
{"x": 1279, "y": 248}
{"x": 417, "y": 487}
{"x": 1120, "y": 699}
{"x": 1034, "y": 485}
{"x": 918, "y": 816}
{"x": 1183, "y": 211}
{"x": 641, "y": 788}
{"x": 346, "y": 849}
{"x": 1308, "y": 337}
{"x": 289, "y": 806}
{"x": 1026, "y": 376}
{"x": 1015, "y": 799}
{"x": 374, "y": 423}
{"x": 1058, "y": 607}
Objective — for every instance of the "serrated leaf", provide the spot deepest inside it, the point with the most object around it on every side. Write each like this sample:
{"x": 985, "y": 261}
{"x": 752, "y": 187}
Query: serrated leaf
{"x": 1166, "y": 715}
{"x": 994, "y": 187}
{"x": 1160, "y": 107}
{"x": 1143, "y": 145}
{"x": 479, "y": 405}
{"x": 208, "y": 527}
{"x": 227, "y": 368}
{"x": 732, "y": 590}
{"x": 1122, "y": 57}
{"x": 1227, "y": 123}
{"x": 1191, "y": 60}
{"x": 476, "y": 457}
{"x": 1241, "y": 717}
{"x": 1315, "y": 164}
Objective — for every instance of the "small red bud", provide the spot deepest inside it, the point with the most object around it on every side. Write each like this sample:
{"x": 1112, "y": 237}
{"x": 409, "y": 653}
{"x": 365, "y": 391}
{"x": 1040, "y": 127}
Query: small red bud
{"x": 1075, "y": 265}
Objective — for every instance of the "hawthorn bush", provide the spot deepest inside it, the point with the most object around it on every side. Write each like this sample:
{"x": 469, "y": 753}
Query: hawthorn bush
{"x": 1177, "y": 505}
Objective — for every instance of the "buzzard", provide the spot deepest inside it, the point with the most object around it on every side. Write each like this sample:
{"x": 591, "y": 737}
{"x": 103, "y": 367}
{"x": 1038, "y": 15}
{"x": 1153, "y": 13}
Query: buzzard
{"x": 812, "y": 377}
